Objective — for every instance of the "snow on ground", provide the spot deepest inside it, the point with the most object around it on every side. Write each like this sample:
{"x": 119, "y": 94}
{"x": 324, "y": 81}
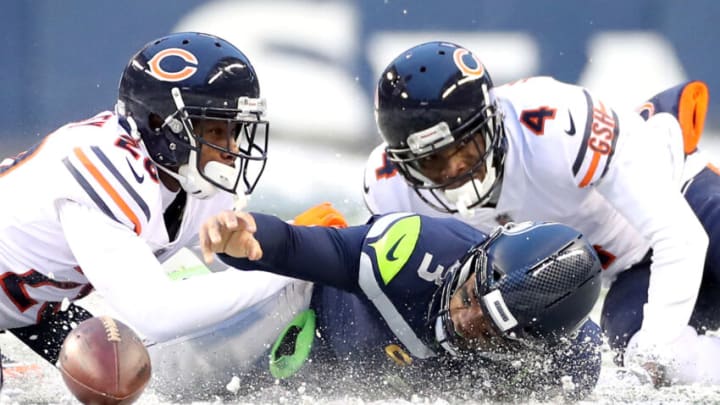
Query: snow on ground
{"x": 45, "y": 386}
{"x": 295, "y": 179}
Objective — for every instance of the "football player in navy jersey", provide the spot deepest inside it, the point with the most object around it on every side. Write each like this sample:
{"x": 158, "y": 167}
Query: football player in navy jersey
{"x": 423, "y": 304}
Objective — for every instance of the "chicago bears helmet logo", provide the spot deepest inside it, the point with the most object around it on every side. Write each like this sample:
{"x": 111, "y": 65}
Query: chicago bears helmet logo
{"x": 459, "y": 58}
{"x": 160, "y": 73}
{"x": 646, "y": 110}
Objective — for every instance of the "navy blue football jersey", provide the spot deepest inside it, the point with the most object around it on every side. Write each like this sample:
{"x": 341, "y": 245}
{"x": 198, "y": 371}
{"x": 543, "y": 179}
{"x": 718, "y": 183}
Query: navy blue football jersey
{"x": 377, "y": 296}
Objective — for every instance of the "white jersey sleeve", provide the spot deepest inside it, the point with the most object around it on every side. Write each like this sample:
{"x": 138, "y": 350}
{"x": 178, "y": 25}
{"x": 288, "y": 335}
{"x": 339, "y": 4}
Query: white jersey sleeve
{"x": 574, "y": 145}
{"x": 124, "y": 271}
{"x": 641, "y": 186}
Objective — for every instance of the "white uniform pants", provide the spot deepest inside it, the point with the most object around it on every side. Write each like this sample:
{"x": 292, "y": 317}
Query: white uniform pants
{"x": 205, "y": 363}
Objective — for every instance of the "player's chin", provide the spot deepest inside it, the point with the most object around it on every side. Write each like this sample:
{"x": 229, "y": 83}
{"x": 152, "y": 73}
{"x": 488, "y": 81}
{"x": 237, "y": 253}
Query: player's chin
{"x": 454, "y": 184}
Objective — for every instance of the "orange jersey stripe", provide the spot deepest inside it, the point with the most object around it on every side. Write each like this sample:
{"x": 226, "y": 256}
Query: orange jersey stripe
{"x": 109, "y": 189}
{"x": 591, "y": 170}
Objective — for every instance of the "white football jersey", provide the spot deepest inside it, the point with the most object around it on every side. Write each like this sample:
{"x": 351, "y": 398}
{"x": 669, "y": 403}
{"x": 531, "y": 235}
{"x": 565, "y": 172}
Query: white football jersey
{"x": 572, "y": 159}
{"x": 83, "y": 210}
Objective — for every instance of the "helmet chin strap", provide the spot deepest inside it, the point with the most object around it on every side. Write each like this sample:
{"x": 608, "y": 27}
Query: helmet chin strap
{"x": 464, "y": 196}
{"x": 226, "y": 176}
{"x": 197, "y": 186}
{"x": 187, "y": 175}
{"x": 192, "y": 182}
{"x": 467, "y": 194}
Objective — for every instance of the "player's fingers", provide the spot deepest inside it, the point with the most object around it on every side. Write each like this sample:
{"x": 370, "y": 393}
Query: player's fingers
{"x": 227, "y": 219}
{"x": 205, "y": 243}
{"x": 236, "y": 220}
{"x": 214, "y": 233}
{"x": 242, "y": 244}
{"x": 211, "y": 242}
{"x": 218, "y": 232}
{"x": 207, "y": 253}
{"x": 245, "y": 220}
{"x": 254, "y": 251}
{"x": 220, "y": 226}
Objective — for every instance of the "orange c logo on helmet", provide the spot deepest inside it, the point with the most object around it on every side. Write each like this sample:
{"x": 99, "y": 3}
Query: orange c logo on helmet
{"x": 476, "y": 71}
{"x": 161, "y": 74}
{"x": 646, "y": 110}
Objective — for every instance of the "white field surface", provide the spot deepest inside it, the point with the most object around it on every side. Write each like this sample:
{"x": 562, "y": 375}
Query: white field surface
{"x": 44, "y": 385}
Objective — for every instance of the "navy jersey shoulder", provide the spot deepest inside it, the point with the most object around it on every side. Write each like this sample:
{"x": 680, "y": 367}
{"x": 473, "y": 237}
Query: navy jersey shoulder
{"x": 404, "y": 258}
{"x": 390, "y": 321}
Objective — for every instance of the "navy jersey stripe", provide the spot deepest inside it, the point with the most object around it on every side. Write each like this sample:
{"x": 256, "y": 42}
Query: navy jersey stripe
{"x": 140, "y": 202}
{"x": 88, "y": 189}
{"x": 616, "y": 133}
{"x": 586, "y": 134}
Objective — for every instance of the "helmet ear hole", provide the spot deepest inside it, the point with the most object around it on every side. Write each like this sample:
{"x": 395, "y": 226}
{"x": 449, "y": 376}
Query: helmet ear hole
{"x": 155, "y": 122}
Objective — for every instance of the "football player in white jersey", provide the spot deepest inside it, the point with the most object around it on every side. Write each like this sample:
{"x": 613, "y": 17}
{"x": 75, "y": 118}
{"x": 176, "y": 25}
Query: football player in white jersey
{"x": 98, "y": 204}
{"x": 538, "y": 149}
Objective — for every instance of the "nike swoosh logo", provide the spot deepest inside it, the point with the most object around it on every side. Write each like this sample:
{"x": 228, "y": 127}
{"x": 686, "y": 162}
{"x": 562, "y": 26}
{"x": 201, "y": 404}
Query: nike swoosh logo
{"x": 139, "y": 178}
{"x": 571, "y": 131}
{"x": 390, "y": 256}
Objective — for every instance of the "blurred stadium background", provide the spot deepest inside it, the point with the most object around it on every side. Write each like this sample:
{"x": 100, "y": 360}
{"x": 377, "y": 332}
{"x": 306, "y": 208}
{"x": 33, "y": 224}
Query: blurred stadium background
{"x": 318, "y": 62}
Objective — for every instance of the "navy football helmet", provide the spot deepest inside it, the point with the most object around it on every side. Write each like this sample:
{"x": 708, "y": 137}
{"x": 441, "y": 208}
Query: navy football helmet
{"x": 176, "y": 82}
{"x": 537, "y": 282}
{"x": 433, "y": 97}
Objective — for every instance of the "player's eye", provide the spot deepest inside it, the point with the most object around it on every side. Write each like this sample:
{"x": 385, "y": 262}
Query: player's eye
{"x": 432, "y": 163}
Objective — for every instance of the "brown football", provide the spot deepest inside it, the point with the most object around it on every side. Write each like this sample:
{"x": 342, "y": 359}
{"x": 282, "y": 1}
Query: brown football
{"x": 103, "y": 361}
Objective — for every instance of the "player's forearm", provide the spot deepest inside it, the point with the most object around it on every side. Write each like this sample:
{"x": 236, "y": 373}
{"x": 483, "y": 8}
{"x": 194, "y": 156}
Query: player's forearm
{"x": 675, "y": 276}
{"x": 679, "y": 243}
{"x": 124, "y": 271}
{"x": 324, "y": 255}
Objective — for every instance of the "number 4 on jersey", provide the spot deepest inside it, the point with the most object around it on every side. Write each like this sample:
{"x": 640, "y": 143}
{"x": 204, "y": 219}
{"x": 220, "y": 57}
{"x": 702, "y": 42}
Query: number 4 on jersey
{"x": 534, "y": 120}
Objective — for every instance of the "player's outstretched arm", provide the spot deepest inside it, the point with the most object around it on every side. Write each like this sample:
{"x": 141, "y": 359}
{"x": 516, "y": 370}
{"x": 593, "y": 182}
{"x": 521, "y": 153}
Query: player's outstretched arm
{"x": 253, "y": 241}
{"x": 123, "y": 269}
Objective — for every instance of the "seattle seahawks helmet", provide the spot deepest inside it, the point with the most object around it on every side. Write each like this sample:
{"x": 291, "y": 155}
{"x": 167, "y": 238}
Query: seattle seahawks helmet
{"x": 537, "y": 282}
{"x": 177, "y": 81}
{"x": 433, "y": 97}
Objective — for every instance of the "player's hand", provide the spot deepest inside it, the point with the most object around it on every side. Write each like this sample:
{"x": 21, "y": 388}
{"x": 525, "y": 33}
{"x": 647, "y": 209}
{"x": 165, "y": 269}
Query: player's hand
{"x": 657, "y": 361}
{"x": 230, "y": 232}
{"x": 657, "y": 374}
{"x": 323, "y": 214}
